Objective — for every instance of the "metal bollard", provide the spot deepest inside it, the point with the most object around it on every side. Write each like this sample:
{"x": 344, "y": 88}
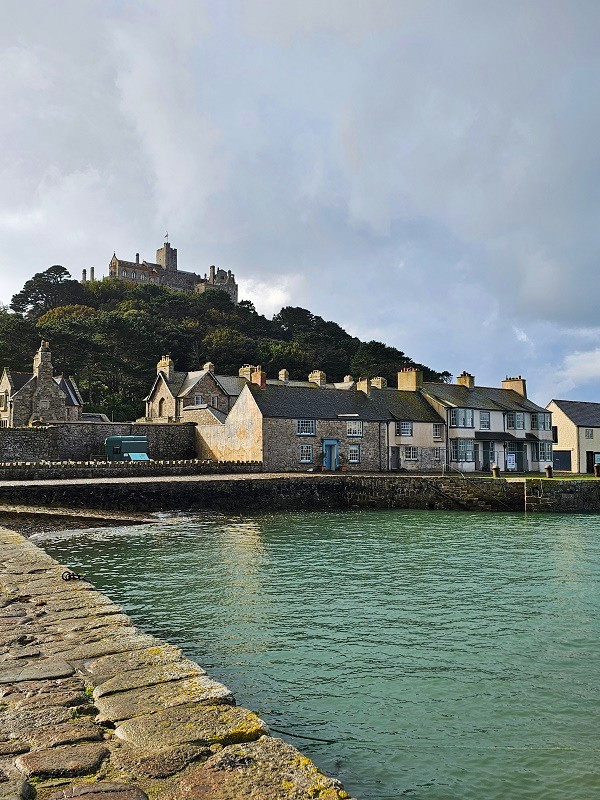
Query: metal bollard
{"x": 549, "y": 471}
{"x": 495, "y": 471}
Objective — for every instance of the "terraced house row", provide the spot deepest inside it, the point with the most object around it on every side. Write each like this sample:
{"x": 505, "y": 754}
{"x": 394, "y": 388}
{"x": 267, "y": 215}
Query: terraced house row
{"x": 355, "y": 425}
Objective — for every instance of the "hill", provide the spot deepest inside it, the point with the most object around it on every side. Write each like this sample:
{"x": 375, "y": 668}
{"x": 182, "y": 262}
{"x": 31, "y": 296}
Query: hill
{"x": 109, "y": 334}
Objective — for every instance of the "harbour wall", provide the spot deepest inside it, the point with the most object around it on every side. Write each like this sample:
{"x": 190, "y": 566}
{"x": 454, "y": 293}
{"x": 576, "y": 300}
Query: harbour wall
{"x": 90, "y": 705}
{"x": 272, "y": 492}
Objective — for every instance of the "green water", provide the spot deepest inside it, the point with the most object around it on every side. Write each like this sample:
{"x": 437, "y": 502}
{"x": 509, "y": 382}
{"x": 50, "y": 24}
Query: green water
{"x": 439, "y": 655}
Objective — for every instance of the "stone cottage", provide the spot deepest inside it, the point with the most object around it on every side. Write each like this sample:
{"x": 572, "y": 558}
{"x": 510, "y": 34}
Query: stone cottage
{"x": 189, "y": 396}
{"x": 298, "y": 428}
{"x": 38, "y": 396}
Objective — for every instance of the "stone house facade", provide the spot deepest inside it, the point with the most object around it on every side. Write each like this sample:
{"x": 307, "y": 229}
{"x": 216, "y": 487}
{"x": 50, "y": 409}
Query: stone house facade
{"x": 164, "y": 271}
{"x": 38, "y": 396}
{"x": 576, "y": 435}
{"x": 299, "y": 429}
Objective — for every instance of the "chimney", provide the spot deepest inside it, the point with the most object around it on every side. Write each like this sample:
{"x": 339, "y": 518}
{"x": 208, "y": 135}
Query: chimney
{"x": 166, "y": 366}
{"x": 379, "y": 383}
{"x": 259, "y": 377}
{"x": 83, "y": 275}
{"x": 410, "y": 379}
{"x": 466, "y": 379}
{"x": 42, "y": 362}
{"x": 517, "y": 384}
{"x": 317, "y": 376}
{"x": 137, "y": 258}
{"x": 284, "y": 376}
{"x": 209, "y": 366}
{"x": 91, "y": 273}
{"x": 364, "y": 385}
{"x": 247, "y": 371}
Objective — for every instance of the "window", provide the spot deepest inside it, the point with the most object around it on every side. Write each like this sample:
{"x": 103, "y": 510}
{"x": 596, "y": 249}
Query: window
{"x": 541, "y": 451}
{"x": 214, "y": 400}
{"x": 519, "y": 421}
{"x": 124, "y": 273}
{"x": 306, "y": 453}
{"x": 305, "y": 427}
{"x": 133, "y": 275}
{"x": 547, "y": 422}
{"x": 437, "y": 430}
{"x": 404, "y": 429}
{"x": 198, "y": 400}
{"x": 589, "y": 433}
{"x": 462, "y": 449}
{"x": 354, "y": 428}
{"x": 555, "y": 434}
{"x": 3, "y": 423}
{"x": 354, "y": 454}
{"x": 484, "y": 420}
{"x": 437, "y": 453}
{"x": 534, "y": 422}
{"x": 461, "y": 417}
{"x": 2, "y": 402}
{"x": 411, "y": 453}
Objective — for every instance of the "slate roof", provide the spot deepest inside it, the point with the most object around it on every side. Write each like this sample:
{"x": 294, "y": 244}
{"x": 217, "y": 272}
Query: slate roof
{"x": 294, "y": 402}
{"x": 480, "y": 397}
{"x": 19, "y": 379}
{"x": 231, "y": 384}
{"x": 405, "y": 405}
{"x": 582, "y": 414}
{"x": 70, "y": 389}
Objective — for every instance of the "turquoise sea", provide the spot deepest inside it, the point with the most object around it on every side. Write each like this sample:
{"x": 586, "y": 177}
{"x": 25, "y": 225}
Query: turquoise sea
{"x": 423, "y": 654}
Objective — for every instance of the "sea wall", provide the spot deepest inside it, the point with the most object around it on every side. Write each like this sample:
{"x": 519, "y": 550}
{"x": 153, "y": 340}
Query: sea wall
{"x": 267, "y": 492}
{"x": 91, "y": 706}
{"x": 82, "y": 441}
{"x": 58, "y": 470}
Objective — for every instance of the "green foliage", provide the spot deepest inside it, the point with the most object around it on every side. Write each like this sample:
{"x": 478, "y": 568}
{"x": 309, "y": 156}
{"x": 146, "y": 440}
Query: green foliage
{"x": 109, "y": 334}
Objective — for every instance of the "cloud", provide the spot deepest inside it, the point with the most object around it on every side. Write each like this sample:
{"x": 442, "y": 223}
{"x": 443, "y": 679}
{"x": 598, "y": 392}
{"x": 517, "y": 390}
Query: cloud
{"x": 311, "y": 148}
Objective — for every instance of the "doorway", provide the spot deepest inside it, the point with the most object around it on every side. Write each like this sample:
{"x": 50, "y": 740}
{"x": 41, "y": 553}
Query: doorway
{"x": 330, "y": 454}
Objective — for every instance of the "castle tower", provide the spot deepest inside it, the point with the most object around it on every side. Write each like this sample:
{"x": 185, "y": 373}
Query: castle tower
{"x": 166, "y": 256}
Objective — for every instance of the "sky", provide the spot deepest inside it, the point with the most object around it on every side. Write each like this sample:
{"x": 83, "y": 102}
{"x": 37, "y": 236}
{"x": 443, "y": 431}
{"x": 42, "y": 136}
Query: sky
{"x": 426, "y": 174}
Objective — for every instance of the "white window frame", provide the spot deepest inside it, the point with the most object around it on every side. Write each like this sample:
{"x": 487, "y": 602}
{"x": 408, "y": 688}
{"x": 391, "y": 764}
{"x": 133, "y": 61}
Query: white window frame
{"x": 437, "y": 453}
{"x": 354, "y": 427}
{"x": 519, "y": 420}
{"x": 485, "y": 421}
{"x": 306, "y": 454}
{"x": 404, "y": 428}
{"x": 510, "y": 420}
{"x": 411, "y": 453}
{"x": 306, "y": 427}
{"x": 214, "y": 400}
{"x": 198, "y": 400}
{"x": 438, "y": 430}
{"x": 589, "y": 433}
{"x": 354, "y": 454}
{"x": 462, "y": 450}
{"x": 462, "y": 418}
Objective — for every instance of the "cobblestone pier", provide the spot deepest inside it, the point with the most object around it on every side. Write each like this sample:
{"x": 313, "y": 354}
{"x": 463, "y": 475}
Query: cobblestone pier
{"x": 92, "y": 708}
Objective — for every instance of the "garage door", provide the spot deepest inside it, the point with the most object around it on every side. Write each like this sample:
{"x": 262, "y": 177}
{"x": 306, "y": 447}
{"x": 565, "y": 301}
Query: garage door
{"x": 561, "y": 460}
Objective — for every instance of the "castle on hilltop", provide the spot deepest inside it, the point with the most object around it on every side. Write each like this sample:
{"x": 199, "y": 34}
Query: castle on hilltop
{"x": 165, "y": 272}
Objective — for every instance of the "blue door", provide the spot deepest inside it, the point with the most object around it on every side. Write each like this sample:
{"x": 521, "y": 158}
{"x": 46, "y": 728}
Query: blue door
{"x": 330, "y": 454}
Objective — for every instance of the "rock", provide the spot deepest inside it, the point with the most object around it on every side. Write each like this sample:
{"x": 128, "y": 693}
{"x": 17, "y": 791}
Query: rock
{"x": 102, "y": 790}
{"x": 160, "y": 764}
{"x": 149, "y": 676}
{"x": 138, "y": 702}
{"x": 37, "y": 670}
{"x": 21, "y": 723}
{"x": 62, "y": 762}
{"x": 202, "y": 725}
{"x": 268, "y": 769}
{"x": 13, "y": 747}
{"x": 67, "y": 733}
{"x": 15, "y": 790}
{"x": 109, "y": 666}
{"x": 118, "y": 642}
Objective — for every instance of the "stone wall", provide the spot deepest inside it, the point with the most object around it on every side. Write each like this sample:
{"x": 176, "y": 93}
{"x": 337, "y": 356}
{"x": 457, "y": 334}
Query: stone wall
{"x": 65, "y": 470}
{"x": 81, "y": 441}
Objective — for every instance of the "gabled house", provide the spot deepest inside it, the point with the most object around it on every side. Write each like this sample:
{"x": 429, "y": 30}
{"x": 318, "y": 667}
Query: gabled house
{"x": 488, "y": 426}
{"x": 299, "y": 428}
{"x": 576, "y": 435}
{"x": 38, "y": 396}
{"x": 416, "y": 433}
{"x": 180, "y": 396}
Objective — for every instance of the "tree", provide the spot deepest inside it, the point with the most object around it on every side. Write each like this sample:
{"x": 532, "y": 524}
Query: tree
{"x": 47, "y": 290}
